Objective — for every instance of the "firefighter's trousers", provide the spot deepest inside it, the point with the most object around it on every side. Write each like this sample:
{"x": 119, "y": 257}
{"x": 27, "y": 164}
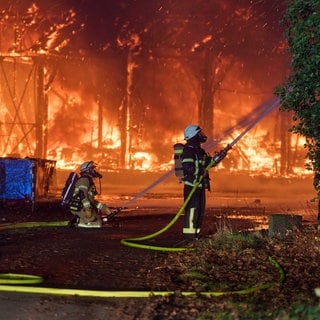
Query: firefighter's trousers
{"x": 84, "y": 218}
{"x": 194, "y": 211}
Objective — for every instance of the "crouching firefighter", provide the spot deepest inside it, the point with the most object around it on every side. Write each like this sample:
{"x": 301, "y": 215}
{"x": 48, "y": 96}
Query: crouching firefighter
{"x": 195, "y": 162}
{"x": 84, "y": 207}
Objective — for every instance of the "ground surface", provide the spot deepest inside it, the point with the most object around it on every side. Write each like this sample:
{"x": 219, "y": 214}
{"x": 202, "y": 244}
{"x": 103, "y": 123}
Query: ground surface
{"x": 95, "y": 259}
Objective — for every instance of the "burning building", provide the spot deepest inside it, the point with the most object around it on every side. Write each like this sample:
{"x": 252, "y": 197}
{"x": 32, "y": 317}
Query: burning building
{"x": 117, "y": 81}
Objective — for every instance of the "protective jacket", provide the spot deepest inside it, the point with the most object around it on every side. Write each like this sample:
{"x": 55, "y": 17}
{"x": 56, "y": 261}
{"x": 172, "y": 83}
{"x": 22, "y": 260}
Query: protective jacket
{"x": 86, "y": 191}
{"x": 194, "y": 162}
{"x": 84, "y": 204}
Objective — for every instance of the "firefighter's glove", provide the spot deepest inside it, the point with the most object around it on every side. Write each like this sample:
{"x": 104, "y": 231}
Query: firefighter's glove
{"x": 106, "y": 210}
{"x": 103, "y": 209}
{"x": 219, "y": 156}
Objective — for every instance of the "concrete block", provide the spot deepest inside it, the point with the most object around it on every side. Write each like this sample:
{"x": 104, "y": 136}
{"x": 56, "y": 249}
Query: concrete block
{"x": 280, "y": 224}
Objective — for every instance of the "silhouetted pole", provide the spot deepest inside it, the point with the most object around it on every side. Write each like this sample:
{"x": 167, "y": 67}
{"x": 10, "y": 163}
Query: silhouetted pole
{"x": 41, "y": 110}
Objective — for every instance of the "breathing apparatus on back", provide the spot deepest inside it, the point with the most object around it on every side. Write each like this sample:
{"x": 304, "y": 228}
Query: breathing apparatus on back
{"x": 178, "y": 169}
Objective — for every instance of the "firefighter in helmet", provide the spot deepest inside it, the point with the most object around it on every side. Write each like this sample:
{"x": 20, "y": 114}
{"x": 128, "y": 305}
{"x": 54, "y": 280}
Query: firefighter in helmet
{"x": 195, "y": 161}
{"x": 84, "y": 206}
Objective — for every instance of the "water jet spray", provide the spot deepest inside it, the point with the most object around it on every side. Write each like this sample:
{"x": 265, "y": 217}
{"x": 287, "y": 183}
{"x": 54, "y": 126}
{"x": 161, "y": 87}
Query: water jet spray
{"x": 248, "y": 121}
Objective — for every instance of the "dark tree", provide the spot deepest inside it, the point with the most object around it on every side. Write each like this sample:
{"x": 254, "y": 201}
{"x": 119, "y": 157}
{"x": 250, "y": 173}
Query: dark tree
{"x": 301, "y": 92}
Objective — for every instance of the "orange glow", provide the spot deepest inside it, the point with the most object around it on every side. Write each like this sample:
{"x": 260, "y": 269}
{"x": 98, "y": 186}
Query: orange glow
{"x": 66, "y": 145}
{"x": 142, "y": 161}
{"x": 82, "y": 125}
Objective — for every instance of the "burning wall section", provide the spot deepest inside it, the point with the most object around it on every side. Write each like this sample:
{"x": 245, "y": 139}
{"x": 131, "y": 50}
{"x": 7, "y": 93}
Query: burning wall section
{"x": 158, "y": 86}
{"x": 22, "y": 119}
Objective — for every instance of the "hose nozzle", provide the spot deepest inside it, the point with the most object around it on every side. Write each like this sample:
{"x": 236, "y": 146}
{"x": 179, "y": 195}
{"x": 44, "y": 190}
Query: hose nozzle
{"x": 220, "y": 155}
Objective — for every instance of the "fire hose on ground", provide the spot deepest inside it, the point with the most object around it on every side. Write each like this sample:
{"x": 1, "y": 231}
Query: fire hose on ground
{"x": 8, "y": 283}
{"x": 18, "y": 282}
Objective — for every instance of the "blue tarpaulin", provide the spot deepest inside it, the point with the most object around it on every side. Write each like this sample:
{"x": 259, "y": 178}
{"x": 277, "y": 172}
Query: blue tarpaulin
{"x": 25, "y": 179}
{"x": 16, "y": 179}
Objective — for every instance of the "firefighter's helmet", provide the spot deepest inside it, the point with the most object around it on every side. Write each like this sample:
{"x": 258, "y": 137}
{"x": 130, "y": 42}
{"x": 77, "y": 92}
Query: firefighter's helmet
{"x": 88, "y": 167}
{"x": 191, "y": 131}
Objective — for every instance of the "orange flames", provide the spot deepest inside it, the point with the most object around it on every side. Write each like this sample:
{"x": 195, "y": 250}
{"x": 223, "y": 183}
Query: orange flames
{"x": 80, "y": 126}
{"x": 73, "y": 138}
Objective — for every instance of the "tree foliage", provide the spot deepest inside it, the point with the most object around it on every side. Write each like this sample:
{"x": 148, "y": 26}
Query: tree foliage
{"x": 301, "y": 92}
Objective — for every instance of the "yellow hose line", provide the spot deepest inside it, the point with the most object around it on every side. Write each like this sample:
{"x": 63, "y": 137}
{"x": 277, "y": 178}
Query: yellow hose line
{"x": 114, "y": 294}
{"x": 34, "y": 224}
{"x": 83, "y": 293}
{"x": 23, "y": 278}
{"x": 11, "y": 278}
{"x": 131, "y": 242}
{"x": 14, "y": 278}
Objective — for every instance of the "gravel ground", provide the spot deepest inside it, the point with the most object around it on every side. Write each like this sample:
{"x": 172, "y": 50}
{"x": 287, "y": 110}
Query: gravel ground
{"x": 95, "y": 259}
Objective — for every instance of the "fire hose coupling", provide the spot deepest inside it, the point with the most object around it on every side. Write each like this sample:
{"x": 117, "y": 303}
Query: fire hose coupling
{"x": 220, "y": 155}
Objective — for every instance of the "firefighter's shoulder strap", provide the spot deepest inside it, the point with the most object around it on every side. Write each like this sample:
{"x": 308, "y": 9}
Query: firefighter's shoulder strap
{"x": 178, "y": 169}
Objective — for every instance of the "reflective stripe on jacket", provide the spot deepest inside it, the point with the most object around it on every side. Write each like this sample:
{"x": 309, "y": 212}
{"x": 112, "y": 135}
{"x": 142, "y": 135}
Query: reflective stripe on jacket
{"x": 87, "y": 188}
{"x": 194, "y": 162}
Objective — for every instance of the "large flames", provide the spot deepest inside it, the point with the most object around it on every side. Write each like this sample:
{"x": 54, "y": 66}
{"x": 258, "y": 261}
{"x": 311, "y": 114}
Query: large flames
{"x": 81, "y": 125}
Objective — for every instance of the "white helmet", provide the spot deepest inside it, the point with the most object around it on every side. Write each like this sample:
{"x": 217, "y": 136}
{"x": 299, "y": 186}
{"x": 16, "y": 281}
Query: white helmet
{"x": 88, "y": 167}
{"x": 191, "y": 131}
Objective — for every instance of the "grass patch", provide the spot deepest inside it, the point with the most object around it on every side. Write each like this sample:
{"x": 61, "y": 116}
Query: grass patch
{"x": 231, "y": 261}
